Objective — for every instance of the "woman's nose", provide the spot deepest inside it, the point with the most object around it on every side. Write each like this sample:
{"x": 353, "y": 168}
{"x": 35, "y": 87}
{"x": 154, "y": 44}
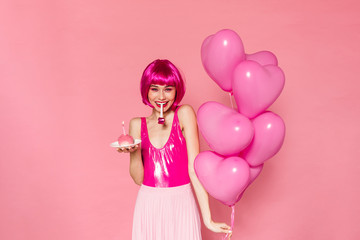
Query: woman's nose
{"x": 162, "y": 95}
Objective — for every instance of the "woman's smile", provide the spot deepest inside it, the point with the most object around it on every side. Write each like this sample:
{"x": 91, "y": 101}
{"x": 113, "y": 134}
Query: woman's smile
{"x": 163, "y": 103}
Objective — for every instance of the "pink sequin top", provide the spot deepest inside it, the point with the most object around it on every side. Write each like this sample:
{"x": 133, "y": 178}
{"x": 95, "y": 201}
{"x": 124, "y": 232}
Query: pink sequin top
{"x": 166, "y": 166}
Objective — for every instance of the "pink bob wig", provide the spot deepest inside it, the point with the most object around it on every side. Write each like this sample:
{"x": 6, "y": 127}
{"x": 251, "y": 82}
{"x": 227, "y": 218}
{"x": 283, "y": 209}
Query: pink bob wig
{"x": 162, "y": 72}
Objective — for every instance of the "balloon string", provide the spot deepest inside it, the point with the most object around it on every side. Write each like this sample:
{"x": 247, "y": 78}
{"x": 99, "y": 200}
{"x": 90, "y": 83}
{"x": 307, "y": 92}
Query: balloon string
{"x": 232, "y": 105}
{"x": 232, "y": 217}
{"x": 227, "y": 236}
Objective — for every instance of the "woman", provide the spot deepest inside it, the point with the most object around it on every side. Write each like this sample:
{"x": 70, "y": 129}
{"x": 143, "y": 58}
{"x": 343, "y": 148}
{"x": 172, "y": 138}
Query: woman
{"x": 164, "y": 164}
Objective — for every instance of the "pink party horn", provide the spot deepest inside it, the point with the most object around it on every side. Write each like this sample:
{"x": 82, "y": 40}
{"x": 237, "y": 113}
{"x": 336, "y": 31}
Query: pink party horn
{"x": 161, "y": 119}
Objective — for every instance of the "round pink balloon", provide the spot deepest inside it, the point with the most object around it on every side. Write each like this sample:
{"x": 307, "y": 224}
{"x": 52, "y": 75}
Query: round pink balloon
{"x": 220, "y": 53}
{"x": 226, "y": 131}
{"x": 268, "y": 138}
{"x": 256, "y": 87}
{"x": 223, "y": 178}
{"x": 263, "y": 57}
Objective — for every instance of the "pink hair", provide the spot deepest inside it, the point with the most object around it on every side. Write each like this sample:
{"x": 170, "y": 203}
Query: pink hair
{"x": 162, "y": 72}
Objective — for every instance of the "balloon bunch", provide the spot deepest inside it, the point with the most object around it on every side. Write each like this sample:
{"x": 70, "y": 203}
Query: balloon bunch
{"x": 243, "y": 139}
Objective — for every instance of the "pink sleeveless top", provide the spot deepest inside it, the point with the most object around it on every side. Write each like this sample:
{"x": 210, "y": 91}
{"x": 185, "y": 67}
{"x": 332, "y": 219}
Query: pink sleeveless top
{"x": 166, "y": 166}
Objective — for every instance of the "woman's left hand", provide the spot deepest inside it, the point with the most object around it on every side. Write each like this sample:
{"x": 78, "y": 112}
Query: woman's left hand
{"x": 219, "y": 227}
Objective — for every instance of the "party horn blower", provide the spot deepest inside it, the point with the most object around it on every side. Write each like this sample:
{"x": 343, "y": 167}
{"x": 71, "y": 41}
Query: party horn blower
{"x": 161, "y": 119}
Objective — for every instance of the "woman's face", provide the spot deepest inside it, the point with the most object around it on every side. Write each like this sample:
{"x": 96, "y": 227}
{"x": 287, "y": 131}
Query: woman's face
{"x": 161, "y": 94}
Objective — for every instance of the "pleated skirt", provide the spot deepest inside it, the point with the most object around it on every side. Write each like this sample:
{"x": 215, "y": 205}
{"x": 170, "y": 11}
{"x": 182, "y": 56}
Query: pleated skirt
{"x": 166, "y": 214}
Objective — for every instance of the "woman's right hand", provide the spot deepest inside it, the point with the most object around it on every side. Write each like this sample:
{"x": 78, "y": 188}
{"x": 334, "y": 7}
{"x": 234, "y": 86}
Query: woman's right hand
{"x": 128, "y": 149}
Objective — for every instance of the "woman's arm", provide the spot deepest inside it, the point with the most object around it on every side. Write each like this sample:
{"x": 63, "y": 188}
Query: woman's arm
{"x": 187, "y": 118}
{"x": 136, "y": 164}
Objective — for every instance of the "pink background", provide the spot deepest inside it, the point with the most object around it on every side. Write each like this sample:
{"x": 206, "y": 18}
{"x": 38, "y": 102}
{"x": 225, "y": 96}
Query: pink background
{"x": 70, "y": 72}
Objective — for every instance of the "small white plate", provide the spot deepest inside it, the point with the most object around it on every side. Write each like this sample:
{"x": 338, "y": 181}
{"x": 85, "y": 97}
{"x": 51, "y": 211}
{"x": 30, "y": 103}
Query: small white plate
{"x": 117, "y": 145}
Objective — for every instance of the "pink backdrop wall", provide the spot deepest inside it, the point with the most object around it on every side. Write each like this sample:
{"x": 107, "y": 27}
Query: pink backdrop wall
{"x": 69, "y": 73}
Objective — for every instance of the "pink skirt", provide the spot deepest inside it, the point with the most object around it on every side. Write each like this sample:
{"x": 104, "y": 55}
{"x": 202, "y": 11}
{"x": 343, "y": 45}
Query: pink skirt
{"x": 166, "y": 214}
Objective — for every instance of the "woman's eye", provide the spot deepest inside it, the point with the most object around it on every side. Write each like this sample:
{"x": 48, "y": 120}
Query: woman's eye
{"x": 168, "y": 89}
{"x": 154, "y": 89}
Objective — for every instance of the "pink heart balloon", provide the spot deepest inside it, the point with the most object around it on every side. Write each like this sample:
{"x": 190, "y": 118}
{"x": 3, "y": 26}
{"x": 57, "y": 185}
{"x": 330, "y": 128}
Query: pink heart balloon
{"x": 268, "y": 138}
{"x": 223, "y": 178}
{"x": 226, "y": 131}
{"x": 254, "y": 173}
{"x": 220, "y": 53}
{"x": 256, "y": 87}
{"x": 263, "y": 58}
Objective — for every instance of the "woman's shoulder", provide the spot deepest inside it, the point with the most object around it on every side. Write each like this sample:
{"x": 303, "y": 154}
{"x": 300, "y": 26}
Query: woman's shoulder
{"x": 135, "y": 127}
{"x": 186, "y": 115}
{"x": 186, "y": 109}
{"x": 136, "y": 121}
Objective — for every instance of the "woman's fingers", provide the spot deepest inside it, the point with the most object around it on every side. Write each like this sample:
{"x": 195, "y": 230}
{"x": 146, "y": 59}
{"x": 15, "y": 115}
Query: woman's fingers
{"x": 122, "y": 150}
{"x": 220, "y": 227}
{"x": 224, "y": 225}
{"x": 128, "y": 149}
{"x": 134, "y": 148}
